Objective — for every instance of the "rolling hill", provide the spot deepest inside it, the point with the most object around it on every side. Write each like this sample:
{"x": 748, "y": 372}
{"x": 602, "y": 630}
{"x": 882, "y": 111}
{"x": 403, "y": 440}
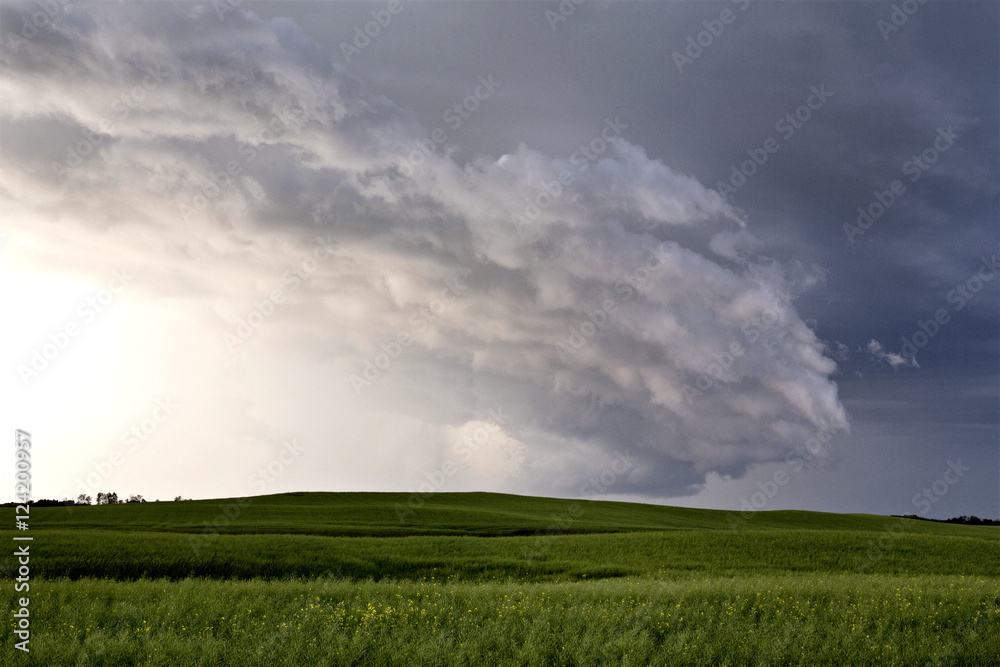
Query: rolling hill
{"x": 472, "y": 514}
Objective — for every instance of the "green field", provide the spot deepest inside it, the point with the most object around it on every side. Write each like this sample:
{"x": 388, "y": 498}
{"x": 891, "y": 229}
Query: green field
{"x": 480, "y": 579}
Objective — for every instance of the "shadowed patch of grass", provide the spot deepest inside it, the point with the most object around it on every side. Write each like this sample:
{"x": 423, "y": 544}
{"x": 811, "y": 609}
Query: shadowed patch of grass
{"x": 133, "y": 555}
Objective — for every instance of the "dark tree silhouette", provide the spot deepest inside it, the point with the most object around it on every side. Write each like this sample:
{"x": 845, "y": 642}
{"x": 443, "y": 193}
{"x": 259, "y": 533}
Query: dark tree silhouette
{"x": 107, "y": 498}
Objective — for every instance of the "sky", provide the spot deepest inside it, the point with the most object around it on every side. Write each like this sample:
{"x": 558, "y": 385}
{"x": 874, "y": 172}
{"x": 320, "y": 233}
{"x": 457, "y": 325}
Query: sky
{"x": 736, "y": 255}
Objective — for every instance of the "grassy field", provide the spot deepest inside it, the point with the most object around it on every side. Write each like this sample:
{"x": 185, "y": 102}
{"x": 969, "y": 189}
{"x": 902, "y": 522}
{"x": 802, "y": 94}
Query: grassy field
{"x": 484, "y": 514}
{"x": 478, "y": 579}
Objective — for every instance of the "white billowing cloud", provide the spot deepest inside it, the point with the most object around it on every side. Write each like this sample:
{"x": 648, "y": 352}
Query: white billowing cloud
{"x": 566, "y": 292}
{"x": 734, "y": 245}
{"x": 894, "y": 359}
{"x": 482, "y": 456}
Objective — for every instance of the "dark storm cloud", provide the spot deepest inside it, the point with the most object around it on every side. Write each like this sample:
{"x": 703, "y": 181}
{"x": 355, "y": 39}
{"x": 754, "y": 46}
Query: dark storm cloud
{"x": 894, "y": 92}
{"x": 614, "y": 295}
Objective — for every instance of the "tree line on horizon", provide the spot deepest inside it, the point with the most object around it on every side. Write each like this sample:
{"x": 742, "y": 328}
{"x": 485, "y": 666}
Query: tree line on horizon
{"x": 109, "y": 498}
{"x": 964, "y": 519}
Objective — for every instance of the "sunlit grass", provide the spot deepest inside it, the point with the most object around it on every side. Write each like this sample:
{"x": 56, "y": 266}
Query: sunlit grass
{"x": 638, "y": 585}
{"x": 840, "y": 619}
